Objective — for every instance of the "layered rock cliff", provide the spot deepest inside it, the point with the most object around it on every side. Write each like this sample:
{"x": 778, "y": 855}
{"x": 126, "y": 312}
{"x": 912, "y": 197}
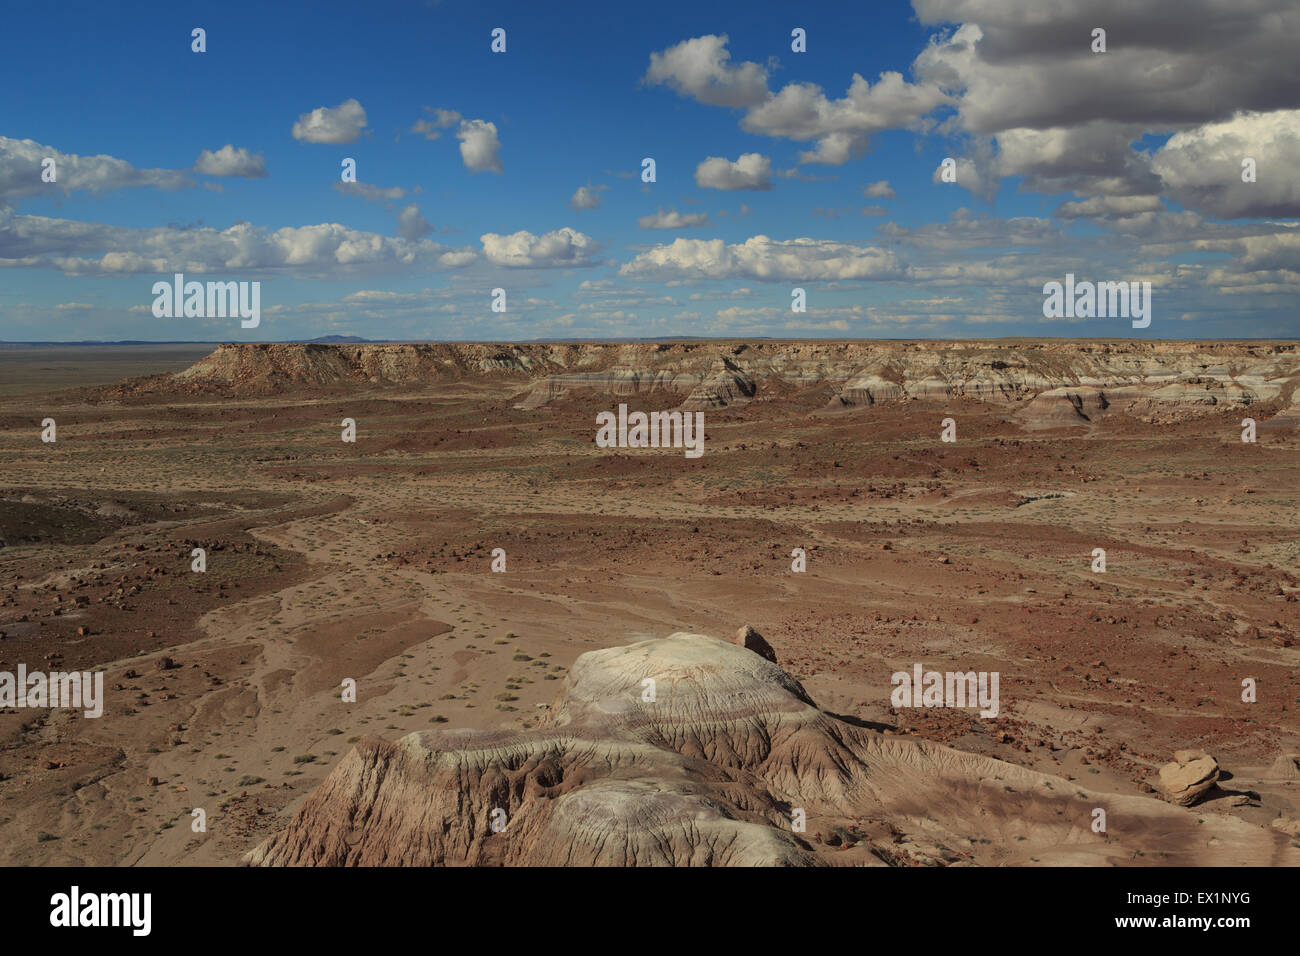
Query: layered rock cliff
{"x": 1050, "y": 381}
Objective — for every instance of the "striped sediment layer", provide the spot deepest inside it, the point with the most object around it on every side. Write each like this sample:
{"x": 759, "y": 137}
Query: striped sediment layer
{"x": 1050, "y": 381}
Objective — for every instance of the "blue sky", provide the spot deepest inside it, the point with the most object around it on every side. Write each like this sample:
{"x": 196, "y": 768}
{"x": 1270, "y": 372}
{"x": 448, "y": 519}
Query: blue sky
{"x": 775, "y": 169}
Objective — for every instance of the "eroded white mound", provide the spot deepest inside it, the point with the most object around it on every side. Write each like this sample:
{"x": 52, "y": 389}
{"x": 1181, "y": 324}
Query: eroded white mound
{"x": 690, "y": 750}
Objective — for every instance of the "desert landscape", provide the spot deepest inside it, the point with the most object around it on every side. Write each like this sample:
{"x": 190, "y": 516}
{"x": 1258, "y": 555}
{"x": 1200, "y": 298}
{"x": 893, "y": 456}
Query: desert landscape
{"x": 500, "y": 713}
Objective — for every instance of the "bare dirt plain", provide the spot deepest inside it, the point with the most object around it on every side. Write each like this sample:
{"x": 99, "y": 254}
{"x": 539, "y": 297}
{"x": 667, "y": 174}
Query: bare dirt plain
{"x": 371, "y": 561}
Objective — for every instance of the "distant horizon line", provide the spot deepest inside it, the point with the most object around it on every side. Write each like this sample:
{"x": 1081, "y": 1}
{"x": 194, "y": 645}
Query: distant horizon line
{"x": 354, "y": 340}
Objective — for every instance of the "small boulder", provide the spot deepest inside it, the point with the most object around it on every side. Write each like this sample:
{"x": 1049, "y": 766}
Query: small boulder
{"x": 1192, "y": 774}
{"x": 751, "y": 640}
{"x": 1285, "y": 767}
{"x": 1289, "y": 826}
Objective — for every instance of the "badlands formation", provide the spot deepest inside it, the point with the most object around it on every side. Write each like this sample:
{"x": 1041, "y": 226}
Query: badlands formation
{"x": 714, "y": 771}
{"x": 498, "y": 588}
{"x": 1056, "y": 383}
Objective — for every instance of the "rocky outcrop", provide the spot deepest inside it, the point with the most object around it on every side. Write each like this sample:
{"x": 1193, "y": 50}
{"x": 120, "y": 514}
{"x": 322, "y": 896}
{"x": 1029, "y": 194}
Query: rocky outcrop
{"x": 1064, "y": 407}
{"x": 726, "y": 384}
{"x": 1049, "y": 383}
{"x": 751, "y": 640}
{"x": 1191, "y": 775}
{"x": 617, "y": 382}
{"x": 694, "y": 751}
{"x": 271, "y": 368}
{"x": 868, "y": 388}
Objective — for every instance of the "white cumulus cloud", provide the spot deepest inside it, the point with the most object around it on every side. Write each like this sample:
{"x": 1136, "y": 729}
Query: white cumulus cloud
{"x": 750, "y": 171}
{"x": 21, "y": 172}
{"x": 326, "y": 250}
{"x": 479, "y": 146}
{"x": 1202, "y": 168}
{"x": 333, "y": 125}
{"x": 231, "y": 161}
{"x": 439, "y": 120}
{"x": 839, "y": 129}
{"x": 522, "y": 250}
{"x": 760, "y": 257}
{"x": 586, "y": 197}
{"x": 700, "y": 68}
{"x": 672, "y": 219}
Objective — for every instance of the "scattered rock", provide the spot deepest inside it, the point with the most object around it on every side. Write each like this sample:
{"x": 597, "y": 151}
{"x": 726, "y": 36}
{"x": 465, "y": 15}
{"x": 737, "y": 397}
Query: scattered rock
{"x": 1192, "y": 774}
{"x": 751, "y": 640}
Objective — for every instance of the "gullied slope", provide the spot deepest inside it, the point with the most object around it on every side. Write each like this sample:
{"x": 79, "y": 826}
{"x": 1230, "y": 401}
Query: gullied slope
{"x": 272, "y": 368}
{"x": 712, "y": 772}
{"x": 1046, "y": 383}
